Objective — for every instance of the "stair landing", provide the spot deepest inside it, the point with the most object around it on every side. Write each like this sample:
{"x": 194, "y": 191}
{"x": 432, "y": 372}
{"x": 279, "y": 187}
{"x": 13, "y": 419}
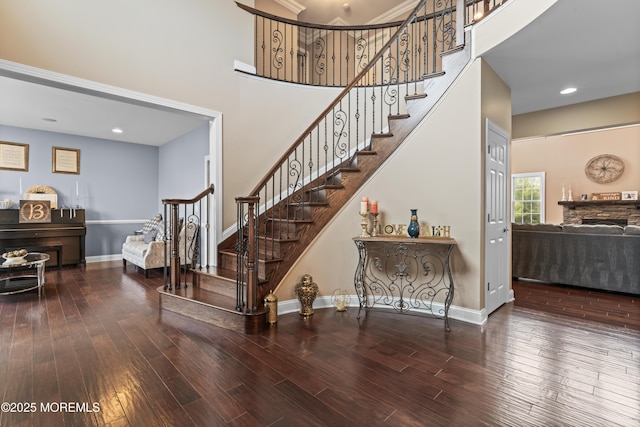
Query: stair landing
{"x": 204, "y": 302}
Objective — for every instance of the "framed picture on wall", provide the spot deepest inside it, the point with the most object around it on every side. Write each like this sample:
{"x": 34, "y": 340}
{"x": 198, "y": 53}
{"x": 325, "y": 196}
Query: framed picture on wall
{"x": 14, "y": 156}
{"x": 66, "y": 160}
{"x": 629, "y": 195}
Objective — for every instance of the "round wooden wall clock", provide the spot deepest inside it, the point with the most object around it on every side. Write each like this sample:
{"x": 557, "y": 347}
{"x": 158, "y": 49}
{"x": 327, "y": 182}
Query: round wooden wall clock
{"x": 604, "y": 168}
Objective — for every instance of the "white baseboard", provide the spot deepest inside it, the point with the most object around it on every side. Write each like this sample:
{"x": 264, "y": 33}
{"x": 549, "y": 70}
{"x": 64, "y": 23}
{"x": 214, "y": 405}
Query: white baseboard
{"x": 103, "y": 258}
{"x": 458, "y": 313}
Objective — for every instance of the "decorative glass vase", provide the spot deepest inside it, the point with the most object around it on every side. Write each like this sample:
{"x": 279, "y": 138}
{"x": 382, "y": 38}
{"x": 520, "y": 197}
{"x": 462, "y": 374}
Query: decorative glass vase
{"x": 414, "y": 228}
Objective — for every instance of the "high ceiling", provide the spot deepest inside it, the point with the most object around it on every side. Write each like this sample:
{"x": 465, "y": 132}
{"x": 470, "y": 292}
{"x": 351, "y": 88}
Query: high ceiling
{"x": 588, "y": 44}
{"x": 38, "y": 106}
{"x": 591, "y": 45}
{"x": 349, "y": 12}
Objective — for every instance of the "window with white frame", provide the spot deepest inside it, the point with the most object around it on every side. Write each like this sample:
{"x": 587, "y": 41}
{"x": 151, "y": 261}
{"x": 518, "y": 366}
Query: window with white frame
{"x": 527, "y": 198}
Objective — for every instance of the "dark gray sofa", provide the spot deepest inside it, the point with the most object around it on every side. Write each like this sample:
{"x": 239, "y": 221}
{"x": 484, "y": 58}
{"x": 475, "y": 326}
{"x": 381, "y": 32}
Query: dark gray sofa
{"x": 603, "y": 257}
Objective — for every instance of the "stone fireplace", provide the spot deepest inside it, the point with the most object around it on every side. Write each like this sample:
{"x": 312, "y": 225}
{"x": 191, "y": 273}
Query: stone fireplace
{"x": 618, "y": 212}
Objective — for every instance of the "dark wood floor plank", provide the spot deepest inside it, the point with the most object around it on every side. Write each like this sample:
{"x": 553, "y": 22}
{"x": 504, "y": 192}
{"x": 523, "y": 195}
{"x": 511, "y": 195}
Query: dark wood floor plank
{"x": 556, "y": 356}
{"x": 310, "y": 404}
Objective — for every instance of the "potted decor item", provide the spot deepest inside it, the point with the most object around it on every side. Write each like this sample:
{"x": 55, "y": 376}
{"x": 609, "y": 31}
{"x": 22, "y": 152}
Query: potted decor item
{"x": 271, "y": 303}
{"x": 306, "y": 291}
{"x": 414, "y": 228}
{"x": 340, "y": 299}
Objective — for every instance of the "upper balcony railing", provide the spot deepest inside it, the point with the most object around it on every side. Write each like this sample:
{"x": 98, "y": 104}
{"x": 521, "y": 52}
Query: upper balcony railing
{"x": 325, "y": 55}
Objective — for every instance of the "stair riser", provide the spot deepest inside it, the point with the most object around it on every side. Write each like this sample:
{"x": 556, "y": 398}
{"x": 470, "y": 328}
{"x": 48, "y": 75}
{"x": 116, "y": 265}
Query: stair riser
{"x": 294, "y": 212}
{"x": 317, "y": 195}
{"x": 228, "y": 261}
{"x": 217, "y": 284}
{"x": 278, "y": 229}
{"x": 270, "y": 246}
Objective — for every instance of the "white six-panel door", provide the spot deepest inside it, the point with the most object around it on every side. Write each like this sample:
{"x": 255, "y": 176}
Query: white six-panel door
{"x": 497, "y": 214}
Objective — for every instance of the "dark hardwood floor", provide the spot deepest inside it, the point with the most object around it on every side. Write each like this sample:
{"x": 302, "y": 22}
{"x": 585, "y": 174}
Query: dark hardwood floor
{"x": 580, "y": 303}
{"x": 97, "y": 343}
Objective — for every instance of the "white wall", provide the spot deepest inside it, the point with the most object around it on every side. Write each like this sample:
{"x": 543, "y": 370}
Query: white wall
{"x": 438, "y": 172}
{"x": 182, "y": 50}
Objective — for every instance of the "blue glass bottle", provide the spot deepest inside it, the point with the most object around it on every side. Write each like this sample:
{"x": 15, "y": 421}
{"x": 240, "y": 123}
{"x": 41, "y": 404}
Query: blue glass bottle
{"x": 414, "y": 228}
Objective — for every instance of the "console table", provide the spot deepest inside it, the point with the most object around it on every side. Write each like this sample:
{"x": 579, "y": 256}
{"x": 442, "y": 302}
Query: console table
{"x": 63, "y": 239}
{"x": 19, "y": 276}
{"x": 406, "y": 274}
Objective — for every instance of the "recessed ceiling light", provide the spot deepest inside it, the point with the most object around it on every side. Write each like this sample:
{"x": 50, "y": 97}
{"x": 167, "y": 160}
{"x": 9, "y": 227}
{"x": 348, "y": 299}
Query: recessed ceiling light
{"x": 117, "y": 130}
{"x": 49, "y": 119}
{"x": 568, "y": 90}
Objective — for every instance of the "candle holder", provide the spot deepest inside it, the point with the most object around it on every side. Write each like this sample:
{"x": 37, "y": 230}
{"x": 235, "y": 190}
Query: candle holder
{"x": 365, "y": 224}
{"x": 374, "y": 229}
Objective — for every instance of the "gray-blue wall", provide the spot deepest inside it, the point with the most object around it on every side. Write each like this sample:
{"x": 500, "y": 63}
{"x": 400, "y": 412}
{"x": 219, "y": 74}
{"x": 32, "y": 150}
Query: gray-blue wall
{"x": 182, "y": 165}
{"x": 119, "y": 183}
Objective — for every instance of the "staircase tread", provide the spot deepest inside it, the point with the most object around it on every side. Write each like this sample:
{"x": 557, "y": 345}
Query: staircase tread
{"x": 415, "y": 96}
{"x": 433, "y": 75}
{"x": 232, "y": 252}
{"x": 224, "y": 273}
{"x": 329, "y": 187}
{"x": 317, "y": 203}
{"x": 206, "y": 297}
{"x": 399, "y": 116}
{"x": 279, "y": 240}
{"x": 367, "y": 152}
{"x": 294, "y": 221}
{"x": 453, "y": 50}
{"x": 382, "y": 135}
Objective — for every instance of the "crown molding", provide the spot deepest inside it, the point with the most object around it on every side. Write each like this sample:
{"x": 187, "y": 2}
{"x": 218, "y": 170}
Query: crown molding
{"x": 87, "y": 87}
{"x": 338, "y": 21}
{"x": 292, "y": 5}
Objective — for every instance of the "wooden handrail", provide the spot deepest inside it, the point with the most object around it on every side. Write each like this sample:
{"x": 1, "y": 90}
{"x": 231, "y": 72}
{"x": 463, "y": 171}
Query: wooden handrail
{"x": 336, "y": 101}
{"x": 207, "y": 191}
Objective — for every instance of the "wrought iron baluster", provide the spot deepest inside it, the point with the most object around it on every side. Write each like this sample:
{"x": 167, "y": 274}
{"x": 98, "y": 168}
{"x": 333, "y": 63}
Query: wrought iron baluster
{"x": 261, "y": 55}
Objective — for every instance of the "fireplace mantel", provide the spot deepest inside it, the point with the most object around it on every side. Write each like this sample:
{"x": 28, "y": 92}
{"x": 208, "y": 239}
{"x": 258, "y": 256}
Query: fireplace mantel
{"x": 587, "y": 203}
{"x": 573, "y": 212}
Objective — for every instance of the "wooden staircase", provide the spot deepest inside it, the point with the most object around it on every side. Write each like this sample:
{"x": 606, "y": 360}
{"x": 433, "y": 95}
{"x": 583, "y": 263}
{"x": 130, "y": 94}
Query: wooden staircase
{"x": 213, "y": 296}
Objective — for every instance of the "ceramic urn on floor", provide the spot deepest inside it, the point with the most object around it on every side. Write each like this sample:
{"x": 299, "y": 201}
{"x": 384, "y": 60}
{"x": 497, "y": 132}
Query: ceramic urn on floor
{"x": 306, "y": 291}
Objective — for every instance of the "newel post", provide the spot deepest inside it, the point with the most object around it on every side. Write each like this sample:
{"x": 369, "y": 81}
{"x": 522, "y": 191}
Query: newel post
{"x": 251, "y": 259}
{"x": 247, "y": 253}
{"x": 175, "y": 250}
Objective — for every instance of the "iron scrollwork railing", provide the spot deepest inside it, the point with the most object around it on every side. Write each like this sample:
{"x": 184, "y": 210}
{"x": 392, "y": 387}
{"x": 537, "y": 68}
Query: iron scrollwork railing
{"x": 332, "y": 55}
{"x": 185, "y": 247}
{"x": 314, "y": 54}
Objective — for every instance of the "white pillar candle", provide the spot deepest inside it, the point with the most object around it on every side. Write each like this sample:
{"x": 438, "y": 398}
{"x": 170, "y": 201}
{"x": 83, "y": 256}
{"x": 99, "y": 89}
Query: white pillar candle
{"x": 21, "y": 188}
{"x": 76, "y": 188}
{"x": 364, "y": 205}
